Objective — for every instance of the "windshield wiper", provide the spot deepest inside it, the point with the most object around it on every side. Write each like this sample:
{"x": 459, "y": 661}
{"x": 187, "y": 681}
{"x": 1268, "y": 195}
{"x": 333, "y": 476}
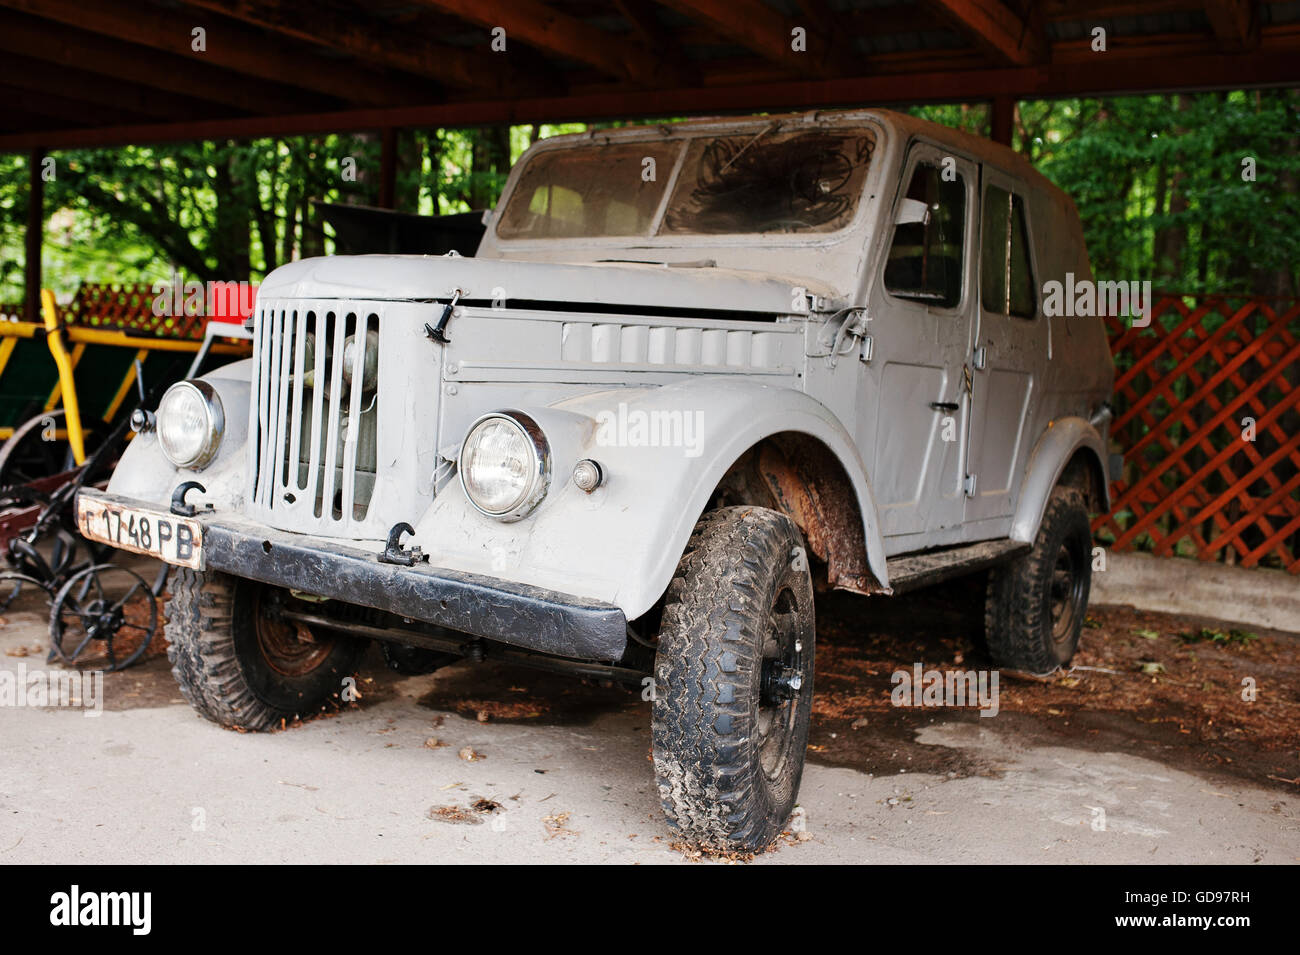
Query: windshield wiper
{"x": 761, "y": 133}
{"x": 693, "y": 264}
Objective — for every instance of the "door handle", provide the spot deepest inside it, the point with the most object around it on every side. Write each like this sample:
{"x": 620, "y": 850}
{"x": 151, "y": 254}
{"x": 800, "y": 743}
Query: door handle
{"x": 945, "y": 405}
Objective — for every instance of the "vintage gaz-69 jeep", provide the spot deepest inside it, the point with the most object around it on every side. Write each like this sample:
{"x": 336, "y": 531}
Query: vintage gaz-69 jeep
{"x": 689, "y": 369}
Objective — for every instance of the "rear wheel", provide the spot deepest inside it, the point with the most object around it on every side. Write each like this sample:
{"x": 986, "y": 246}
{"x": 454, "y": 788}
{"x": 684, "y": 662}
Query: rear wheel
{"x": 734, "y": 680}
{"x": 239, "y": 663}
{"x": 1036, "y": 604}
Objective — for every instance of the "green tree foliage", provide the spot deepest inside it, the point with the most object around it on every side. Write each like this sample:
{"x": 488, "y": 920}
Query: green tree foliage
{"x": 1159, "y": 183}
{"x": 1196, "y": 193}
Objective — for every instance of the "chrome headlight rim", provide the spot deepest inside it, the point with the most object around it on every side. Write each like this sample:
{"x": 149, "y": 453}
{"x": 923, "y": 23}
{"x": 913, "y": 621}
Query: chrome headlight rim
{"x": 540, "y": 474}
{"x": 216, "y": 424}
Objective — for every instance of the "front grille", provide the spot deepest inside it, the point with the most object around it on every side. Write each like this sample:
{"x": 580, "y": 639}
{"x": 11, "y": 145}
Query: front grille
{"x": 314, "y": 421}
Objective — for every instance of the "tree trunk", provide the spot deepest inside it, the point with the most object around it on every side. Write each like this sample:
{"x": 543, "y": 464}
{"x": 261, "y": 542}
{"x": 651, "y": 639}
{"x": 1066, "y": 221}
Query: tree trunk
{"x": 491, "y": 163}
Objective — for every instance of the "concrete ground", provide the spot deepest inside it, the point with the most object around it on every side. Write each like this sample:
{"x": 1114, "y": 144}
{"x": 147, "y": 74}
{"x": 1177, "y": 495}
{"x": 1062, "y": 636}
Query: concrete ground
{"x": 386, "y": 781}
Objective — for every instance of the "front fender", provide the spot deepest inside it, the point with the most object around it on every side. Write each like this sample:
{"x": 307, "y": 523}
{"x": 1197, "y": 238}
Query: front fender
{"x": 145, "y": 474}
{"x": 622, "y": 543}
{"x": 1063, "y": 438}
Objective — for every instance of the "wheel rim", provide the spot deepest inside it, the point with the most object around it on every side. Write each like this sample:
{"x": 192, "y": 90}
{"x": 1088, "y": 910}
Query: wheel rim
{"x": 102, "y": 602}
{"x": 780, "y": 681}
{"x": 1065, "y": 595}
{"x": 289, "y": 649}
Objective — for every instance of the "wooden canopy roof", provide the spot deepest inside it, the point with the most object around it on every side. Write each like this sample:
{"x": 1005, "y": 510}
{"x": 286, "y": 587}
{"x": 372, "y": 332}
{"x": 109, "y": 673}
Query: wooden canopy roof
{"x": 102, "y": 72}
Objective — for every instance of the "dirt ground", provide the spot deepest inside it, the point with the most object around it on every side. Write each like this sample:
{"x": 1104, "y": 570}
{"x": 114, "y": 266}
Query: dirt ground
{"x": 1150, "y": 684}
{"x": 1147, "y": 690}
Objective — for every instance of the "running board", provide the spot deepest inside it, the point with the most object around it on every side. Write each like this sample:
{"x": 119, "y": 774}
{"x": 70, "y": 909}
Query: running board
{"x": 912, "y": 571}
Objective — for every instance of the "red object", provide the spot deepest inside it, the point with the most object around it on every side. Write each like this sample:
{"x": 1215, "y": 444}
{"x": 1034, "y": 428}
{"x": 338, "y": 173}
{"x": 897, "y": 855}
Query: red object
{"x": 231, "y": 302}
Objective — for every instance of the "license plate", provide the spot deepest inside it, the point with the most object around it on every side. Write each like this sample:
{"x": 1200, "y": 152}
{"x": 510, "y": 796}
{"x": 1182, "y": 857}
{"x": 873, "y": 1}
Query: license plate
{"x": 173, "y": 539}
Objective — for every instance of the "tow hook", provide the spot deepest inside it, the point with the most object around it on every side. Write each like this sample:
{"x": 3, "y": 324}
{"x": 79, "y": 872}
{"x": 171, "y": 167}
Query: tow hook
{"x": 179, "y": 507}
{"x": 395, "y": 553}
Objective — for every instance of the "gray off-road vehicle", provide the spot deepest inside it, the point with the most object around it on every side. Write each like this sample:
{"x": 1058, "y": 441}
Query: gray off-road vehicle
{"x": 689, "y": 369}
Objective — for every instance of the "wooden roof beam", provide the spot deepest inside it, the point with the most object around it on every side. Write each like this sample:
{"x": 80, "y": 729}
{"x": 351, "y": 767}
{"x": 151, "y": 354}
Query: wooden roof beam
{"x": 998, "y": 29}
{"x": 76, "y": 49}
{"x": 1234, "y": 22}
{"x": 1106, "y": 9}
{"x": 32, "y": 74}
{"x": 372, "y": 43}
{"x": 1120, "y": 73}
{"x": 658, "y": 39}
{"x": 227, "y": 45}
{"x": 544, "y": 28}
{"x": 757, "y": 27}
{"x": 63, "y": 109}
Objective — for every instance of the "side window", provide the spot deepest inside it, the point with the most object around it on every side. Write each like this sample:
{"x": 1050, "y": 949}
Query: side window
{"x": 1006, "y": 274}
{"x": 925, "y": 258}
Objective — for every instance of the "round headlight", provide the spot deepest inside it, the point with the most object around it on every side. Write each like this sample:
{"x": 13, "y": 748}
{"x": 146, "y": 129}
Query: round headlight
{"x": 505, "y": 465}
{"x": 190, "y": 423}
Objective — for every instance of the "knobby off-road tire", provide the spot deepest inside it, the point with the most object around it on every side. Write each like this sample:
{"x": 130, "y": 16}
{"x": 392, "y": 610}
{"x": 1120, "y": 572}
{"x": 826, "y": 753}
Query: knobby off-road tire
{"x": 1034, "y": 611}
{"x": 237, "y": 665}
{"x": 734, "y": 680}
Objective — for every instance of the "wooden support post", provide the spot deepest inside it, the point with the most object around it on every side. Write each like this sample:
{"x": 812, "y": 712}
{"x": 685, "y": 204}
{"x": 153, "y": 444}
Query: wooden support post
{"x": 1002, "y": 119}
{"x": 34, "y": 238}
{"x": 388, "y": 169}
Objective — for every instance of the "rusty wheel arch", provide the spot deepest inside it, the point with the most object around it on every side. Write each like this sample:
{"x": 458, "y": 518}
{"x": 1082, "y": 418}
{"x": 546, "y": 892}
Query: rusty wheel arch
{"x": 1084, "y": 471}
{"x": 802, "y": 478}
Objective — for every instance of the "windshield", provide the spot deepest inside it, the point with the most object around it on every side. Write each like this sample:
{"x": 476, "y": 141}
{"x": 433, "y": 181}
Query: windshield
{"x": 805, "y": 181}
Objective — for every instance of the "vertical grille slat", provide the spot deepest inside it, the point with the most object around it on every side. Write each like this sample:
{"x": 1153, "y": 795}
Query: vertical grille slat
{"x": 294, "y": 480}
{"x": 257, "y": 453}
{"x": 317, "y": 407}
{"x": 325, "y": 503}
{"x": 271, "y": 387}
{"x": 352, "y": 438}
{"x": 281, "y": 445}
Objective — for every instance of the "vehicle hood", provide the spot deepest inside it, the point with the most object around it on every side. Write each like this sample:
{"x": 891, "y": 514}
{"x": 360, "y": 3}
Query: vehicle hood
{"x": 428, "y": 277}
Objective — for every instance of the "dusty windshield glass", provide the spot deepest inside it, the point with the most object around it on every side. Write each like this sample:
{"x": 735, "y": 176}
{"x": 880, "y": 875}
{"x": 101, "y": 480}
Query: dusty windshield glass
{"x": 757, "y": 182}
{"x": 589, "y": 191}
{"x": 803, "y": 181}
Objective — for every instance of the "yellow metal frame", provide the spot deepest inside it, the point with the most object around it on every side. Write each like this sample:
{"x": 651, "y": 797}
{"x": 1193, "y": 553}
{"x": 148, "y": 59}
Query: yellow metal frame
{"x": 68, "y": 343}
{"x": 10, "y": 332}
{"x": 67, "y": 384}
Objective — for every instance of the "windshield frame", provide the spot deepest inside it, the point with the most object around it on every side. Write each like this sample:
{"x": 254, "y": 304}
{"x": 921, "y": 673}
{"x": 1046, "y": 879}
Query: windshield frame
{"x": 683, "y": 136}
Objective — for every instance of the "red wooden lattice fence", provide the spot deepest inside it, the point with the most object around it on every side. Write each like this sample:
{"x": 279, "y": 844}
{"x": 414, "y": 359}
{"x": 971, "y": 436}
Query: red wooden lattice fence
{"x": 1191, "y": 392}
{"x": 131, "y": 307}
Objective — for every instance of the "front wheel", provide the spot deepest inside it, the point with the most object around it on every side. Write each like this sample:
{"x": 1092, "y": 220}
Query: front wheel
{"x": 239, "y": 663}
{"x": 1035, "y": 606}
{"x": 734, "y": 680}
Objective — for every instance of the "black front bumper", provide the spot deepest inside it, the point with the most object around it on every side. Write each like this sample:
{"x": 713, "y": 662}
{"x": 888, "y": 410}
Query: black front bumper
{"x": 512, "y": 613}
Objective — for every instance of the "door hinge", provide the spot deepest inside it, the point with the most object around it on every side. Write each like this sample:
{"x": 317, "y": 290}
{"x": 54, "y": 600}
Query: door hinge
{"x": 981, "y": 358}
{"x": 868, "y": 348}
{"x": 968, "y": 485}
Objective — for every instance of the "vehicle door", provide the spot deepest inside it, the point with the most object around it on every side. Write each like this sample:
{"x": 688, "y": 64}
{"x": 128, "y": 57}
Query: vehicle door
{"x": 922, "y": 307}
{"x": 1009, "y": 357}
